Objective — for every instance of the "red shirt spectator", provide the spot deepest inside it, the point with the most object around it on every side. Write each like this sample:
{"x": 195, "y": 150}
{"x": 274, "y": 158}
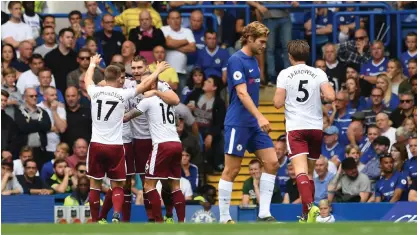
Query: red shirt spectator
{"x": 79, "y": 153}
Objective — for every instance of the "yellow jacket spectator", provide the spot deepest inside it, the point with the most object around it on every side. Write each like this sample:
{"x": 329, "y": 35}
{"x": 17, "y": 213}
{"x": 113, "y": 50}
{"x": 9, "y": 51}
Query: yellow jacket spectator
{"x": 80, "y": 195}
{"x": 129, "y": 18}
{"x": 169, "y": 75}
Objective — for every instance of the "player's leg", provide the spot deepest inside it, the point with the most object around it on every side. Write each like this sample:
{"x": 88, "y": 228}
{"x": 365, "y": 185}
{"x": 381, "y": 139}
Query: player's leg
{"x": 94, "y": 199}
{"x": 167, "y": 198}
{"x": 178, "y": 199}
{"x": 95, "y": 171}
{"x": 107, "y": 205}
{"x": 117, "y": 199}
{"x": 153, "y": 198}
{"x": 265, "y": 151}
{"x": 234, "y": 148}
{"x": 130, "y": 172}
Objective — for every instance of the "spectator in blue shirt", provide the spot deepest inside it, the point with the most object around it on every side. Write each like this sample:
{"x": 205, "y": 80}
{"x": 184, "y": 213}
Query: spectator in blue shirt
{"x": 392, "y": 186}
{"x": 356, "y": 101}
{"x": 91, "y": 7}
{"x": 61, "y": 152}
{"x": 372, "y": 168}
{"x": 411, "y": 44}
{"x": 88, "y": 29}
{"x": 195, "y": 81}
{"x": 346, "y": 25}
{"x": 213, "y": 59}
{"x": 356, "y": 133}
{"x": 282, "y": 175}
{"x": 322, "y": 180}
{"x": 341, "y": 117}
{"x": 377, "y": 65}
{"x": 324, "y": 27}
{"x": 391, "y": 100}
{"x": 196, "y": 26}
{"x": 331, "y": 148}
{"x": 189, "y": 170}
{"x": 45, "y": 78}
{"x": 410, "y": 166}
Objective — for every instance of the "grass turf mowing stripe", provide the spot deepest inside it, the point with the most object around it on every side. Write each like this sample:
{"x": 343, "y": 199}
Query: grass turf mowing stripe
{"x": 208, "y": 229}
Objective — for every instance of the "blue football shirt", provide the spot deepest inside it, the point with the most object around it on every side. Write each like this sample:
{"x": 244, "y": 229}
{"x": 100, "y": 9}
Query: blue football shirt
{"x": 242, "y": 69}
{"x": 372, "y": 69}
{"x": 385, "y": 188}
{"x": 404, "y": 58}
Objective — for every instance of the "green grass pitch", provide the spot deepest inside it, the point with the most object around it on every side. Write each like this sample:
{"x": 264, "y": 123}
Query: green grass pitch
{"x": 207, "y": 229}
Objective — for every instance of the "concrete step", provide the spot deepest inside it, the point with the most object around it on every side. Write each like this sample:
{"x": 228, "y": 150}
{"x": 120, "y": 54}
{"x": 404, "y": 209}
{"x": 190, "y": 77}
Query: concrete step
{"x": 274, "y": 117}
{"x": 265, "y": 108}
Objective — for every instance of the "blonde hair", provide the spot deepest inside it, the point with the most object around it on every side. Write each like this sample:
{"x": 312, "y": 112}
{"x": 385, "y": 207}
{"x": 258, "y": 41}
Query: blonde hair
{"x": 324, "y": 202}
{"x": 255, "y": 30}
{"x": 8, "y": 71}
{"x": 388, "y": 92}
{"x": 399, "y": 67}
{"x": 351, "y": 147}
{"x": 63, "y": 146}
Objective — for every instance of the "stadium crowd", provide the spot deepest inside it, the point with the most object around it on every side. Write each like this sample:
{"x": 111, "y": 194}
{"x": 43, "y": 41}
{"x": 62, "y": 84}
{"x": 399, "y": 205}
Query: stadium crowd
{"x": 369, "y": 151}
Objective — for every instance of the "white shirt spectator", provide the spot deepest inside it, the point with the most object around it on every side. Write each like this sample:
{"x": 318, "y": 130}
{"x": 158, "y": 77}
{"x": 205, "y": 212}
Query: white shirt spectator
{"x": 43, "y": 49}
{"x": 390, "y": 134}
{"x": 328, "y": 219}
{"x": 18, "y": 168}
{"x": 18, "y": 31}
{"x": 29, "y": 80}
{"x": 53, "y": 138}
{"x": 34, "y": 22}
{"x": 185, "y": 186}
{"x": 177, "y": 59}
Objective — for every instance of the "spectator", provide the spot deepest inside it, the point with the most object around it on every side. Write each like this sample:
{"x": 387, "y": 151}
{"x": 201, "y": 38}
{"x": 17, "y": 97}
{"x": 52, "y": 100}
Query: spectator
{"x": 78, "y": 118}
{"x": 62, "y": 60}
{"x": 184, "y": 113}
{"x": 92, "y": 46}
{"x": 60, "y": 181}
{"x": 31, "y": 18}
{"x": 49, "y": 37}
{"x": 180, "y": 41}
{"x": 372, "y": 168}
{"x": 409, "y": 125}
{"x": 347, "y": 25}
{"x": 79, "y": 196}
{"x": 322, "y": 180}
{"x": 110, "y": 40}
{"x": 356, "y": 101}
{"x": 357, "y": 51}
{"x": 8, "y": 56}
{"x": 341, "y": 116}
{"x": 213, "y": 59}
{"x": 189, "y": 140}
{"x": 282, "y": 174}
{"x": 354, "y": 152}
{"x": 351, "y": 186}
{"x": 392, "y": 186}
{"x": 251, "y": 189}
{"x": 58, "y": 117}
{"x": 210, "y": 111}
{"x": 189, "y": 170}
{"x": 185, "y": 187}
{"x": 169, "y": 75}
{"x": 395, "y": 72}
{"x": 410, "y": 166}
{"x": 30, "y": 181}
{"x": 146, "y": 37}
{"x": 24, "y": 155}
{"x": 325, "y": 215}
{"x": 48, "y": 21}
{"x": 196, "y": 26}
{"x": 25, "y": 52}
{"x": 291, "y": 196}
{"x": 321, "y": 64}
{"x": 83, "y": 59}
{"x": 356, "y": 133}
{"x": 373, "y": 132}
{"x": 324, "y": 28}
{"x": 15, "y": 31}
{"x": 404, "y": 110}
{"x": 15, "y": 96}
{"x": 80, "y": 171}
{"x": 128, "y": 52}
{"x": 412, "y": 195}
{"x": 33, "y": 123}
{"x": 79, "y": 149}
{"x": 413, "y": 83}
{"x": 93, "y": 14}
{"x": 29, "y": 79}
{"x": 137, "y": 190}
{"x": 74, "y": 18}
{"x": 88, "y": 29}
{"x": 383, "y": 123}
{"x": 411, "y": 53}
{"x": 130, "y": 17}
{"x": 400, "y": 155}
{"x": 9, "y": 183}
{"x": 377, "y": 65}
{"x": 84, "y": 97}
{"x": 391, "y": 100}
{"x": 402, "y": 136}
{"x": 376, "y": 107}
{"x": 195, "y": 81}
{"x": 336, "y": 70}
{"x": 331, "y": 148}
{"x": 45, "y": 80}
{"x": 412, "y": 67}
{"x": 8, "y": 130}
{"x": 61, "y": 153}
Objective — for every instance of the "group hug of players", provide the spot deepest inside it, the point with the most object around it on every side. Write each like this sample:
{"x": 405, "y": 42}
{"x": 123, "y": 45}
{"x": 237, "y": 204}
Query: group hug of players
{"x": 134, "y": 131}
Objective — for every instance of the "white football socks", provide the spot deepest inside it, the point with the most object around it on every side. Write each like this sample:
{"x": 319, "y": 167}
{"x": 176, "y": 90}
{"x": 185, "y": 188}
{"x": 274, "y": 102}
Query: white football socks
{"x": 266, "y": 189}
{"x": 225, "y": 195}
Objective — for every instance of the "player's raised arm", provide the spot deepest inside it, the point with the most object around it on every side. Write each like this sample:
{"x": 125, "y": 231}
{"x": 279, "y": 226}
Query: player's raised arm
{"x": 165, "y": 92}
{"x": 328, "y": 92}
{"x": 94, "y": 61}
{"x": 146, "y": 83}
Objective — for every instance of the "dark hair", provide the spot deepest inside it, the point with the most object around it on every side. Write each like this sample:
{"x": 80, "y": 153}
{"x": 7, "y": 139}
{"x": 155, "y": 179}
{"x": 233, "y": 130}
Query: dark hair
{"x": 58, "y": 161}
{"x": 413, "y": 60}
{"x": 25, "y": 149}
{"x": 48, "y": 16}
{"x": 411, "y": 34}
{"x": 64, "y": 30}
{"x": 190, "y": 150}
{"x": 112, "y": 73}
{"x": 85, "y": 50}
{"x": 12, "y": 3}
{"x": 349, "y": 164}
{"x": 47, "y": 27}
{"x": 386, "y": 155}
{"x": 25, "y": 163}
{"x": 5, "y": 93}
{"x": 120, "y": 65}
{"x": 172, "y": 11}
{"x": 210, "y": 32}
{"x": 372, "y": 126}
{"x": 218, "y": 83}
{"x": 255, "y": 161}
{"x": 35, "y": 56}
{"x": 74, "y": 13}
{"x": 190, "y": 82}
{"x": 413, "y": 78}
{"x": 299, "y": 50}
{"x": 107, "y": 14}
{"x": 403, "y": 155}
{"x": 80, "y": 164}
{"x": 357, "y": 95}
{"x": 13, "y": 50}
{"x": 44, "y": 69}
{"x": 140, "y": 58}
{"x": 354, "y": 66}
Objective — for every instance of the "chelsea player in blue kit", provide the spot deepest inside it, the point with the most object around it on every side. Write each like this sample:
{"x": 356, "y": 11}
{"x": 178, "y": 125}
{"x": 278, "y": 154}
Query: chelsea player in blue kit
{"x": 392, "y": 185}
{"x": 245, "y": 127}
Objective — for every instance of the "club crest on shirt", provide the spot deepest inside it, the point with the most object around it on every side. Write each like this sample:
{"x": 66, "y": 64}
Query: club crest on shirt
{"x": 342, "y": 18}
{"x": 403, "y": 181}
{"x": 381, "y": 68}
{"x": 237, "y": 75}
{"x": 239, "y": 147}
{"x": 217, "y": 61}
{"x": 325, "y": 20}
{"x": 392, "y": 184}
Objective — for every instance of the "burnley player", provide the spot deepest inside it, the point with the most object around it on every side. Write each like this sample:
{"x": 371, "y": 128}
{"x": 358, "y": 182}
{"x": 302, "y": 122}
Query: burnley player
{"x": 299, "y": 87}
{"x": 246, "y": 127}
{"x": 164, "y": 163}
{"x": 106, "y": 151}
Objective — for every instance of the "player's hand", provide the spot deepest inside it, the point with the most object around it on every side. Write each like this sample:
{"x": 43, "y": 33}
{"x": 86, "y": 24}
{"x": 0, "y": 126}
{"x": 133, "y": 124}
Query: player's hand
{"x": 264, "y": 124}
{"x": 208, "y": 141}
{"x": 95, "y": 59}
{"x": 161, "y": 66}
